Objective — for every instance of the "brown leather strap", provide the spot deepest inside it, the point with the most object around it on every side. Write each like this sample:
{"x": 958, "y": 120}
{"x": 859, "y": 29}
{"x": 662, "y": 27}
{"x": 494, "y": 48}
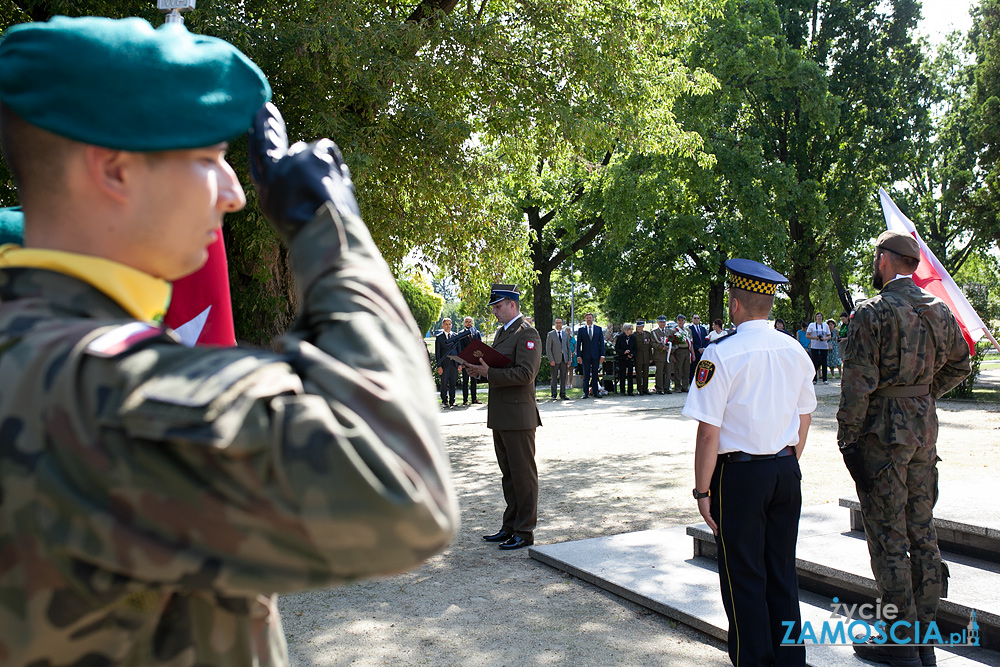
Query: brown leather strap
{"x": 911, "y": 391}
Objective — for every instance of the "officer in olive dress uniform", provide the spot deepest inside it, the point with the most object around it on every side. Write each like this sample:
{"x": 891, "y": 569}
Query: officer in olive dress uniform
{"x": 680, "y": 355}
{"x": 747, "y": 478}
{"x": 157, "y": 497}
{"x": 643, "y": 355}
{"x": 904, "y": 350}
{"x": 512, "y": 413}
{"x": 661, "y": 349}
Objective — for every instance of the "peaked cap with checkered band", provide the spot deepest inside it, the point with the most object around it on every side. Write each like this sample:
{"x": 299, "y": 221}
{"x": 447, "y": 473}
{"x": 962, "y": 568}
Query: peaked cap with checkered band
{"x": 753, "y": 276}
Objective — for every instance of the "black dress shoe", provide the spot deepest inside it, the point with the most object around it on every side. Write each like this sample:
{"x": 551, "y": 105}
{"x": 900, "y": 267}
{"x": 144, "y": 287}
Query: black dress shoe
{"x": 475, "y": 402}
{"x": 888, "y": 654}
{"x": 515, "y": 542}
{"x": 563, "y": 396}
{"x": 502, "y": 536}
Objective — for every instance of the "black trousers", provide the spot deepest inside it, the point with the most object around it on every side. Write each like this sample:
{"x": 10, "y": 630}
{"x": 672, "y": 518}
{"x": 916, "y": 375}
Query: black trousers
{"x": 591, "y": 369}
{"x": 448, "y": 381}
{"x": 756, "y": 505}
{"x": 625, "y": 369}
{"x": 819, "y": 361}
{"x": 466, "y": 378}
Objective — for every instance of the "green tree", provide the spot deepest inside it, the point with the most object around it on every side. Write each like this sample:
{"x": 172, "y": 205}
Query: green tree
{"x": 423, "y": 303}
{"x": 578, "y": 89}
{"x": 984, "y": 208}
{"x": 941, "y": 176}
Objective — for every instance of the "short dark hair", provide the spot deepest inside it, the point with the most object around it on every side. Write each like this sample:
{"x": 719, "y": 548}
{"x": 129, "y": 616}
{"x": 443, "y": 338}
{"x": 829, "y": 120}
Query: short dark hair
{"x": 902, "y": 262}
{"x": 757, "y": 305}
{"x": 36, "y": 157}
{"x": 718, "y": 321}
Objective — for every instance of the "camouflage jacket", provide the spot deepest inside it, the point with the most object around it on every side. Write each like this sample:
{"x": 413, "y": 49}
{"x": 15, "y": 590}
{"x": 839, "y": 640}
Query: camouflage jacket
{"x": 902, "y": 337}
{"x": 155, "y": 498}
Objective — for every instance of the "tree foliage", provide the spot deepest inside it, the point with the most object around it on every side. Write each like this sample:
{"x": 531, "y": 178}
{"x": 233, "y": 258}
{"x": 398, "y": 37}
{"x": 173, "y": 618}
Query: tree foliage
{"x": 424, "y": 304}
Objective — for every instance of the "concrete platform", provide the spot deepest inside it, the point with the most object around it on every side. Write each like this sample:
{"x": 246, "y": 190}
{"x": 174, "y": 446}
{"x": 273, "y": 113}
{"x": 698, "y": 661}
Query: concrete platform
{"x": 966, "y": 517}
{"x": 834, "y": 561}
{"x": 656, "y": 570}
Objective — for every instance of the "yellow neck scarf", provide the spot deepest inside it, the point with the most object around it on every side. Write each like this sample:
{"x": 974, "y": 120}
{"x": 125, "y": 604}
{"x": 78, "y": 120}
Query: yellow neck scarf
{"x": 143, "y": 296}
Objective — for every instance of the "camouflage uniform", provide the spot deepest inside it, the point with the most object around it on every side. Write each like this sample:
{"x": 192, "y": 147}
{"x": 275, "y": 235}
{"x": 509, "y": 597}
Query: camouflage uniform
{"x": 155, "y": 498}
{"x": 904, "y": 337}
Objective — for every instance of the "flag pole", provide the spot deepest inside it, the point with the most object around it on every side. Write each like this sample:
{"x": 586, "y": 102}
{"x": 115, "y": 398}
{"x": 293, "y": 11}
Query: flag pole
{"x": 173, "y": 9}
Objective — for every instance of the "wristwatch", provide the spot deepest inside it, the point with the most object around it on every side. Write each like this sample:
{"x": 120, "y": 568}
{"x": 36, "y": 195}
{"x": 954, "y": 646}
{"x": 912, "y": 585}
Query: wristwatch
{"x": 698, "y": 495}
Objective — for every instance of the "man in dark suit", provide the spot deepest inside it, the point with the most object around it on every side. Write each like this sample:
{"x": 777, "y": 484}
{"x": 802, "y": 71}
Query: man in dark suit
{"x": 699, "y": 341}
{"x": 474, "y": 334}
{"x": 557, "y": 350}
{"x": 590, "y": 353}
{"x": 446, "y": 368}
{"x": 512, "y": 413}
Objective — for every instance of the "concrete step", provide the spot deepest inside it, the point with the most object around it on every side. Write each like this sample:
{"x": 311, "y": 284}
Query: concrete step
{"x": 655, "y": 569}
{"x": 833, "y": 561}
{"x": 967, "y": 521}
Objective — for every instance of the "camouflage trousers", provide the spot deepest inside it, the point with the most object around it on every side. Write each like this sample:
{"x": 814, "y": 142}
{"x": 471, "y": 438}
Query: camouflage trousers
{"x": 897, "y": 515}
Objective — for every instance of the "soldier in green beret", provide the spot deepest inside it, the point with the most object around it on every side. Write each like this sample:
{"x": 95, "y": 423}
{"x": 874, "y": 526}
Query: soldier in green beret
{"x": 904, "y": 351}
{"x": 155, "y": 497}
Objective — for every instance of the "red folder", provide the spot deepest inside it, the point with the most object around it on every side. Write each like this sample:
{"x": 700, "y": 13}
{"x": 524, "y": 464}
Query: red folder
{"x": 477, "y": 351}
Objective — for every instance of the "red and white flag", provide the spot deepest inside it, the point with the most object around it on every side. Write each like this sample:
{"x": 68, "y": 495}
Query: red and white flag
{"x": 932, "y": 276}
{"x": 200, "y": 310}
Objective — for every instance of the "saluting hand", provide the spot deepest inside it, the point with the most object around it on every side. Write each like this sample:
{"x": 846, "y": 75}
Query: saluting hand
{"x": 294, "y": 182}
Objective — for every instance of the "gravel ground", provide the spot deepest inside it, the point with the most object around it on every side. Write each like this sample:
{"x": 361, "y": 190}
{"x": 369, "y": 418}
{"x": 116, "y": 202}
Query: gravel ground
{"x": 605, "y": 466}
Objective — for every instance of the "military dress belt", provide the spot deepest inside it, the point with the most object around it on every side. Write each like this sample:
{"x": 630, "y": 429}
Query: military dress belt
{"x": 743, "y": 457}
{"x": 911, "y": 391}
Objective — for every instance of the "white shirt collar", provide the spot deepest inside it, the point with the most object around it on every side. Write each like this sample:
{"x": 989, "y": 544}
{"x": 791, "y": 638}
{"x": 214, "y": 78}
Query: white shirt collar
{"x": 509, "y": 324}
{"x": 752, "y": 324}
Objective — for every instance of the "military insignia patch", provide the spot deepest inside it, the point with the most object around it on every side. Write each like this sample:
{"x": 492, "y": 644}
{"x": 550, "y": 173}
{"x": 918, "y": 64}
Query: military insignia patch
{"x": 530, "y": 345}
{"x": 703, "y": 373}
{"x": 121, "y": 338}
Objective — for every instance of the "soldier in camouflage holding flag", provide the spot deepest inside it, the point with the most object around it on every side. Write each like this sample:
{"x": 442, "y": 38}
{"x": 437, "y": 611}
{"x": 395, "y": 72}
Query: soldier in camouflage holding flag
{"x": 904, "y": 350}
{"x": 155, "y": 498}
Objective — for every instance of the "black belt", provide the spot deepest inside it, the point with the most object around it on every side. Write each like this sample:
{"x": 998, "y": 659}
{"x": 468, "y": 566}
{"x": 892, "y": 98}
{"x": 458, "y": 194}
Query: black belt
{"x": 743, "y": 457}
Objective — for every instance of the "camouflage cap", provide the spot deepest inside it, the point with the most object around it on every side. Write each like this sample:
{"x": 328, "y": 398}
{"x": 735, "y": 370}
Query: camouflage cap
{"x": 899, "y": 243}
{"x": 123, "y": 84}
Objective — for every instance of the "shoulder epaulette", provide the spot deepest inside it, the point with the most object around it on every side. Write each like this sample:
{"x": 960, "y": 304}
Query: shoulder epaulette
{"x": 722, "y": 338}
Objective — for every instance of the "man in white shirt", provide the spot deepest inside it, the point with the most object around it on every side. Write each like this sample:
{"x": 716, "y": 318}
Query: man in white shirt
{"x": 753, "y": 399}
{"x": 819, "y": 335}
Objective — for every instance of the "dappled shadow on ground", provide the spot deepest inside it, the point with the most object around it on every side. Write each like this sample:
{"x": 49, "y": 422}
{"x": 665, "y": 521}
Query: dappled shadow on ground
{"x": 476, "y": 605}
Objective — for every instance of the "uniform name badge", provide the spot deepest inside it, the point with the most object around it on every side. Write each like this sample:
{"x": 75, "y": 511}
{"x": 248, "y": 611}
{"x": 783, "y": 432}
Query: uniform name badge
{"x": 703, "y": 373}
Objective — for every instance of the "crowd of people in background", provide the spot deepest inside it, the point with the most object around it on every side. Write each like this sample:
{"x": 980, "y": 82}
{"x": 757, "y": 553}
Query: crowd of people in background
{"x": 610, "y": 359}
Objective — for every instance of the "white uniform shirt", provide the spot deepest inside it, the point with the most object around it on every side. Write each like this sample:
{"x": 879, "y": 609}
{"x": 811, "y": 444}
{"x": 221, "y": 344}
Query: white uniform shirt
{"x": 753, "y": 385}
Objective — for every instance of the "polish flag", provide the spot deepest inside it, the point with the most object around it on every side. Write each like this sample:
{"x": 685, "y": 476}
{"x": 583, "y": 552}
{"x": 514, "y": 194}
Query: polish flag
{"x": 933, "y": 277}
{"x": 200, "y": 310}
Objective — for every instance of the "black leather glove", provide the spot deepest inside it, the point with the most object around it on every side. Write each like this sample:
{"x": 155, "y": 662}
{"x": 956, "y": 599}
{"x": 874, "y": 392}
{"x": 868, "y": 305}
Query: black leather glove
{"x": 856, "y": 466}
{"x": 293, "y": 183}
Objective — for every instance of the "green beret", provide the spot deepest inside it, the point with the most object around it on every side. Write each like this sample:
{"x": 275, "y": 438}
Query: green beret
{"x": 11, "y": 225}
{"x": 123, "y": 84}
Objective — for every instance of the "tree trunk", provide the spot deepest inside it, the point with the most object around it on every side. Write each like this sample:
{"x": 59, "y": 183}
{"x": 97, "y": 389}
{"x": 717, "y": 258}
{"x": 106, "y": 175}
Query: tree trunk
{"x": 542, "y": 301}
{"x": 716, "y": 302}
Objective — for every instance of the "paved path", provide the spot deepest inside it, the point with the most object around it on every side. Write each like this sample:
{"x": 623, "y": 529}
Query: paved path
{"x": 606, "y": 466}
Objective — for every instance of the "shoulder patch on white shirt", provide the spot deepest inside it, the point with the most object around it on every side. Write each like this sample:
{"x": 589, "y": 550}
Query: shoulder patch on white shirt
{"x": 703, "y": 373}
{"x": 121, "y": 338}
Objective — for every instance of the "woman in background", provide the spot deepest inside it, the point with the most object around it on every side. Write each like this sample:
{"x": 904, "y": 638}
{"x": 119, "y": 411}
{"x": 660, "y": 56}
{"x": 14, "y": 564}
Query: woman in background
{"x": 833, "y": 357}
{"x": 716, "y": 332}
